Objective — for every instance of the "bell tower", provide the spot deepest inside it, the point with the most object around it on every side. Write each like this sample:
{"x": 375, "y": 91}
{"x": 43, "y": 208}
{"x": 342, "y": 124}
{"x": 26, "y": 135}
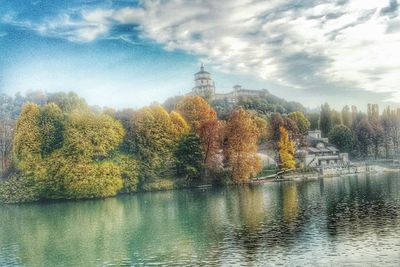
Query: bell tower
{"x": 204, "y": 84}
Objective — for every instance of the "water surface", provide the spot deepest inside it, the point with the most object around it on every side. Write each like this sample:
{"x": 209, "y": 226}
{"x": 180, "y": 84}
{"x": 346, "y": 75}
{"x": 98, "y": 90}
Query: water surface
{"x": 348, "y": 220}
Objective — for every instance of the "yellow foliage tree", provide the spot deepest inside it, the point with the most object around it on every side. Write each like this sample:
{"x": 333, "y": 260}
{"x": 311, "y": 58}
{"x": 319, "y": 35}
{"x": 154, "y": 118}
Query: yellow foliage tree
{"x": 240, "y": 149}
{"x": 27, "y": 138}
{"x": 286, "y": 150}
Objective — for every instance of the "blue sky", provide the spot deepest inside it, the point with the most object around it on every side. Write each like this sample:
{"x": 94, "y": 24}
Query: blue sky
{"x": 132, "y": 53}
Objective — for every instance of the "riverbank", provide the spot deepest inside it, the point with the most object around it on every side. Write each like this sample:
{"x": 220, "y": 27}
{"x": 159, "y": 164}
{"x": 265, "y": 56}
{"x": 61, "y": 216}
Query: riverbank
{"x": 327, "y": 172}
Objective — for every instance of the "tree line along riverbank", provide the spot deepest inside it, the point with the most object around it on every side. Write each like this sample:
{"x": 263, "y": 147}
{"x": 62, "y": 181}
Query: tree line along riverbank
{"x": 61, "y": 148}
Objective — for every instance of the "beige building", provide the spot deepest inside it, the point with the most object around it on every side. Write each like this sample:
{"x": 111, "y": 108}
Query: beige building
{"x": 205, "y": 87}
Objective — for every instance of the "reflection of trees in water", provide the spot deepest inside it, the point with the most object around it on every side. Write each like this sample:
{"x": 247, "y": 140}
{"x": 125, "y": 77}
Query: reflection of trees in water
{"x": 193, "y": 225}
{"x": 264, "y": 224}
{"x": 359, "y": 205}
{"x": 73, "y": 232}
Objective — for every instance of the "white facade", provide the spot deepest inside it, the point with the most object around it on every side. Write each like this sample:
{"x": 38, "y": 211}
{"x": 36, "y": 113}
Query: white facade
{"x": 205, "y": 87}
{"x": 204, "y": 84}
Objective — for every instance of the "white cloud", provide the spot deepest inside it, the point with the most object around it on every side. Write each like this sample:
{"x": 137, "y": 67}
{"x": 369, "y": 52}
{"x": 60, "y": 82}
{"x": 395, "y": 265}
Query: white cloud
{"x": 335, "y": 44}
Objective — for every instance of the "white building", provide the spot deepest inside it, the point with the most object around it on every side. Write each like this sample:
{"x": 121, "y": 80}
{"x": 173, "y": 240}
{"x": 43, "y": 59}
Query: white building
{"x": 319, "y": 153}
{"x": 205, "y": 87}
{"x": 204, "y": 84}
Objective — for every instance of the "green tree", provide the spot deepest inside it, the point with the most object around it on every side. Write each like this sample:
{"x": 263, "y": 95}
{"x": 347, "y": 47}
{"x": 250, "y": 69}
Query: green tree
{"x": 364, "y": 133}
{"x": 67, "y": 102}
{"x": 347, "y": 117}
{"x": 51, "y": 123}
{"x": 189, "y": 157}
{"x": 313, "y": 118}
{"x": 326, "y": 123}
{"x": 342, "y": 137}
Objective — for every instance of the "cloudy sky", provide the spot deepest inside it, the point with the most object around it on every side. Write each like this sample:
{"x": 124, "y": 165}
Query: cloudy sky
{"x": 131, "y": 53}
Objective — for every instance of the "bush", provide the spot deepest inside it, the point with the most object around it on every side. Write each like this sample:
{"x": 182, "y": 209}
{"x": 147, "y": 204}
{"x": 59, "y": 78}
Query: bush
{"x": 18, "y": 190}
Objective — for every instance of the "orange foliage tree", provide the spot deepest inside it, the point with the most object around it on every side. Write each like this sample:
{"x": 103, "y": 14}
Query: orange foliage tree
{"x": 196, "y": 110}
{"x": 240, "y": 146}
{"x": 209, "y": 133}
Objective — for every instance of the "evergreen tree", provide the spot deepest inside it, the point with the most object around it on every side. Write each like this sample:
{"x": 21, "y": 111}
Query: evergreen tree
{"x": 341, "y": 137}
{"x": 326, "y": 123}
{"x": 189, "y": 157}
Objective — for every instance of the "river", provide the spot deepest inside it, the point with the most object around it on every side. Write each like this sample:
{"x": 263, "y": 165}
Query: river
{"x": 348, "y": 220}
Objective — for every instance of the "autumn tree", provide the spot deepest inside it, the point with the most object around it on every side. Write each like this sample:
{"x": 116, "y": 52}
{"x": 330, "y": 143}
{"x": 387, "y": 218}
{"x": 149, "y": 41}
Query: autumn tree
{"x": 302, "y": 126}
{"x": 27, "y": 138}
{"x": 90, "y": 136}
{"x": 152, "y": 136}
{"x": 286, "y": 150}
{"x": 209, "y": 133}
{"x": 276, "y": 122}
{"x": 196, "y": 110}
{"x": 240, "y": 146}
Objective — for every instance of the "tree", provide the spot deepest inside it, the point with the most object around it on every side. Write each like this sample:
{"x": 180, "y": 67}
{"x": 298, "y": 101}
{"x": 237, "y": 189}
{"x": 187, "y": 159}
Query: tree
{"x": 376, "y": 125}
{"x": 240, "y": 148}
{"x": 27, "y": 138}
{"x": 189, "y": 157}
{"x": 51, "y": 124}
{"x": 6, "y": 132}
{"x": 336, "y": 118}
{"x": 364, "y": 133}
{"x": 7, "y": 124}
{"x": 286, "y": 150}
{"x": 179, "y": 125}
{"x": 326, "y": 123}
{"x": 68, "y": 102}
{"x": 209, "y": 133}
{"x": 347, "y": 118}
{"x": 276, "y": 122}
{"x": 342, "y": 137}
{"x": 390, "y": 121}
{"x": 196, "y": 110}
{"x": 313, "y": 118}
{"x": 152, "y": 137}
{"x": 90, "y": 136}
{"x": 303, "y": 124}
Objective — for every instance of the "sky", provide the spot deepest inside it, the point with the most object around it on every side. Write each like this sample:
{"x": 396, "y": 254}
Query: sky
{"x": 132, "y": 53}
